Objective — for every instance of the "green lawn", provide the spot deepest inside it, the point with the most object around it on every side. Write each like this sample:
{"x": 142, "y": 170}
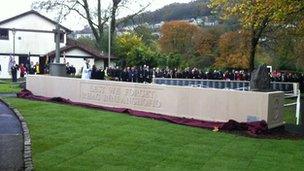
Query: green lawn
{"x": 290, "y": 112}
{"x": 6, "y": 86}
{"x": 72, "y": 138}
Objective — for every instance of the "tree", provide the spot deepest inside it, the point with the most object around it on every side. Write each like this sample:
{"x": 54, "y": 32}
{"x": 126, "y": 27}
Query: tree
{"x": 146, "y": 34}
{"x": 257, "y": 16}
{"x": 288, "y": 48}
{"x": 192, "y": 42}
{"x": 97, "y": 17}
{"x": 203, "y": 42}
{"x": 130, "y": 50}
{"x": 233, "y": 50}
{"x": 125, "y": 43}
{"x": 116, "y": 4}
{"x": 87, "y": 41}
{"x": 141, "y": 55}
{"x": 177, "y": 37}
{"x": 299, "y": 53}
{"x": 174, "y": 61}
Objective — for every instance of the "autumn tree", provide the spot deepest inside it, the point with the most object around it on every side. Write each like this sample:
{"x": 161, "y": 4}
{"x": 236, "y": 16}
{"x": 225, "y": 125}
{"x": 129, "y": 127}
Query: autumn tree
{"x": 189, "y": 40}
{"x": 233, "y": 51}
{"x": 288, "y": 49}
{"x": 257, "y": 16}
{"x": 176, "y": 37}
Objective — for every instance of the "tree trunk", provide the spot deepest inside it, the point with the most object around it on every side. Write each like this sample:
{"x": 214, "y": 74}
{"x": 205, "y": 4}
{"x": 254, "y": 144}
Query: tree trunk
{"x": 113, "y": 26}
{"x": 255, "y": 37}
{"x": 99, "y": 42}
{"x": 253, "y": 46}
{"x": 113, "y": 21}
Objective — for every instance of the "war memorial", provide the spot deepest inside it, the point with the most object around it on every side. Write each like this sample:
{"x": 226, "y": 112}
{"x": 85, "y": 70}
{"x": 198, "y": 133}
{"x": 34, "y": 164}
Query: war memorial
{"x": 182, "y": 102}
{"x": 194, "y": 85}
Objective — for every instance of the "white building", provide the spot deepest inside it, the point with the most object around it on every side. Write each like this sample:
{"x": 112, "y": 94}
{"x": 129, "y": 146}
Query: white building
{"x": 75, "y": 52}
{"x": 30, "y": 36}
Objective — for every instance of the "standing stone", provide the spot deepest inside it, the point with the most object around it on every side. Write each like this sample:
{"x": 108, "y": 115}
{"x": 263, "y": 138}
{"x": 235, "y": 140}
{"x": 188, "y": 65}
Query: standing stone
{"x": 260, "y": 79}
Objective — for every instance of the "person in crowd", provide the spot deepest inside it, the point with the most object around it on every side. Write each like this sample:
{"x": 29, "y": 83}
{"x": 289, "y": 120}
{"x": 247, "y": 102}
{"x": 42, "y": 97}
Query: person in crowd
{"x": 86, "y": 70}
{"x": 31, "y": 69}
{"x": 22, "y": 70}
{"x": 144, "y": 74}
{"x": 68, "y": 68}
{"x": 94, "y": 72}
{"x": 72, "y": 70}
{"x": 14, "y": 69}
{"x": 102, "y": 73}
{"x": 37, "y": 68}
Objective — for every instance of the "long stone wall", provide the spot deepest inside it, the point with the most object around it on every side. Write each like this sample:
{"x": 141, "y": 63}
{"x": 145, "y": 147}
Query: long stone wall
{"x": 188, "y": 102}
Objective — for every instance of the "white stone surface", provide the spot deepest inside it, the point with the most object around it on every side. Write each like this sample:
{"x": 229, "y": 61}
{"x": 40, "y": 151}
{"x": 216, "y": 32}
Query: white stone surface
{"x": 189, "y": 102}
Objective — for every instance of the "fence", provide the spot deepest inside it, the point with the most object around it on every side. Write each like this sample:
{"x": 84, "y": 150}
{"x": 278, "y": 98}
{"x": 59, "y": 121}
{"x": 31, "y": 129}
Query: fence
{"x": 287, "y": 87}
{"x": 290, "y": 89}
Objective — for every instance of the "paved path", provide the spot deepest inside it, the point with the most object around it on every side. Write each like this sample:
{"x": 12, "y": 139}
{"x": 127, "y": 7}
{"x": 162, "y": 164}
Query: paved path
{"x": 11, "y": 140}
{"x": 8, "y": 94}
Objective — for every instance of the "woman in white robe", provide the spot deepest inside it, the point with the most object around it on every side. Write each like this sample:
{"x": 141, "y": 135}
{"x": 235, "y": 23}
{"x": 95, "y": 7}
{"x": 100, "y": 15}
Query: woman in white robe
{"x": 86, "y": 70}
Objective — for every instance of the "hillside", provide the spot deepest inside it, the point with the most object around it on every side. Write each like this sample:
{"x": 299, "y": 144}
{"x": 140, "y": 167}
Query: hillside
{"x": 175, "y": 11}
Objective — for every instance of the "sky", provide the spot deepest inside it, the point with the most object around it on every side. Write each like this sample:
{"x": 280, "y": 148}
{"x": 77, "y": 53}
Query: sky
{"x": 10, "y": 8}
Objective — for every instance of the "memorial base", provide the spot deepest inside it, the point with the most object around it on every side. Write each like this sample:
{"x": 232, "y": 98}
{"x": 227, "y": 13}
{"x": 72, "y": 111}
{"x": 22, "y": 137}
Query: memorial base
{"x": 212, "y": 105}
{"x": 57, "y": 69}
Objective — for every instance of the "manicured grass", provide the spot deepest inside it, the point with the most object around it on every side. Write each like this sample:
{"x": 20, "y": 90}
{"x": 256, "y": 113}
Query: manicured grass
{"x": 73, "y": 138}
{"x": 290, "y": 112}
{"x": 6, "y": 86}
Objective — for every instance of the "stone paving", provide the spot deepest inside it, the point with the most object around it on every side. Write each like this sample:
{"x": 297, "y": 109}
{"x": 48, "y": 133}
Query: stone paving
{"x": 11, "y": 140}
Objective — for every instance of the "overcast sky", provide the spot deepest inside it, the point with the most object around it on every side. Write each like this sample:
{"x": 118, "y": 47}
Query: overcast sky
{"x": 10, "y": 8}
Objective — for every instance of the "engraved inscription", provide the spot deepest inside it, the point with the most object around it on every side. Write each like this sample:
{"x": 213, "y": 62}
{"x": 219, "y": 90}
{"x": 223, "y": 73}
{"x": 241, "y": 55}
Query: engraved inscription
{"x": 138, "y": 96}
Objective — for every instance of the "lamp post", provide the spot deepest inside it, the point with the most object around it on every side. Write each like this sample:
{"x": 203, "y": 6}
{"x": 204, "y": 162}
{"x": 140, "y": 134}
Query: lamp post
{"x": 14, "y": 42}
{"x": 109, "y": 45}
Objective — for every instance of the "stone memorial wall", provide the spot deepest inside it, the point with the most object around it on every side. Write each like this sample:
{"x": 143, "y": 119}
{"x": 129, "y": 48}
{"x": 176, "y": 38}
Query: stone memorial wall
{"x": 186, "y": 102}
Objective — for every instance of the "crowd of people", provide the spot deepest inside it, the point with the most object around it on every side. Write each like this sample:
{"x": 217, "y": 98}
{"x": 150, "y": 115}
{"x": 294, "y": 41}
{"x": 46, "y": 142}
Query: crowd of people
{"x": 23, "y": 69}
{"x": 70, "y": 69}
{"x": 145, "y": 74}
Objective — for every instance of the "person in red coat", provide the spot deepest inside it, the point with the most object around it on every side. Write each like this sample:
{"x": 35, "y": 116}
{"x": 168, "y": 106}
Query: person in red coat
{"x": 22, "y": 70}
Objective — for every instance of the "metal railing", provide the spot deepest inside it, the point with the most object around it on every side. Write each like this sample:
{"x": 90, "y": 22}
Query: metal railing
{"x": 297, "y": 104}
{"x": 290, "y": 89}
{"x": 287, "y": 87}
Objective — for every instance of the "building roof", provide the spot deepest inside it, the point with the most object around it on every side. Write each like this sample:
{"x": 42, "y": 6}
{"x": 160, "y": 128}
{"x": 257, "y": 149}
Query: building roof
{"x": 35, "y": 13}
{"x": 73, "y": 44}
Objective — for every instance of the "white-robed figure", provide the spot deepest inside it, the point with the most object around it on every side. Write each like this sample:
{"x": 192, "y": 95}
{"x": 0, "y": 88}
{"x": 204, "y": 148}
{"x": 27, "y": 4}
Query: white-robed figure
{"x": 86, "y": 70}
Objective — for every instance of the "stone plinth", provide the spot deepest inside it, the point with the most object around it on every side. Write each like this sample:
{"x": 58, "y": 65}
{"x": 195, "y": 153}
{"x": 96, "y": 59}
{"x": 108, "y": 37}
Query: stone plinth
{"x": 189, "y": 102}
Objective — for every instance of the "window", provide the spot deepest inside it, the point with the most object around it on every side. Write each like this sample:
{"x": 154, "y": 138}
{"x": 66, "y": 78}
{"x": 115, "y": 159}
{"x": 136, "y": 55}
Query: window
{"x": 61, "y": 39}
{"x": 3, "y": 34}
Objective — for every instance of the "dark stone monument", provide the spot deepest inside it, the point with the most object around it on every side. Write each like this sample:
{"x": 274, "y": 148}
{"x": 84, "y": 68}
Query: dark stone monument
{"x": 260, "y": 79}
{"x": 57, "y": 69}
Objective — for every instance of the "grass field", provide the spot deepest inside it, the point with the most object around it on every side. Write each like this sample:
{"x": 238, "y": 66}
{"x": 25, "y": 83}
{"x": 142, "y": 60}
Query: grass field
{"x": 6, "y": 86}
{"x": 73, "y": 138}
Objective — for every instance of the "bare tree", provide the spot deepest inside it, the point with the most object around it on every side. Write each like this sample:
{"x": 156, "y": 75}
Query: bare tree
{"x": 97, "y": 17}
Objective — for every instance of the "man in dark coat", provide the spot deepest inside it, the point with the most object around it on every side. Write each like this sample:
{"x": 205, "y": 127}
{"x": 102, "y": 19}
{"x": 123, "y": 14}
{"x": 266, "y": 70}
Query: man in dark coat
{"x": 14, "y": 70}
